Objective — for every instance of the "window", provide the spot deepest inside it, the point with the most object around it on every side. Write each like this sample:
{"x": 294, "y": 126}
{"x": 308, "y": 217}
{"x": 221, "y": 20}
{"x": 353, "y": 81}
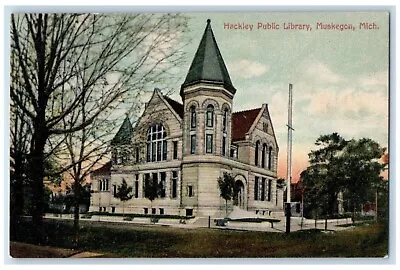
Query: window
{"x": 156, "y": 143}
{"x": 175, "y": 146}
{"x": 161, "y": 211}
{"x": 225, "y": 120}
{"x": 145, "y": 211}
{"x": 174, "y": 184}
{"x": 224, "y": 145}
{"x": 209, "y": 143}
{"x": 162, "y": 184}
{"x": 256, "y": 188}
{"x": 193, "y": 117}
{"x": 103, "y": 185}
{"x": 115, "y": 190}
{"x": 256, "y": 153}
{"x": 189, "y": 212}
{"x": 146, "y": 180}
{"x": 265, "y": 127}
{"x": 137, "y": 186}
{"x": 153, "y": 211}
{"x": 210, "y": 116}
{"x": 192, "y": 144}
{"x": 269, "y": 190}
{"x": 263, "y": 153}
{"x": 113, "y": 209}
{"x": 263, "y": 189}
{"x": 234, "y": 152}
{"x": 190, "y": 191}
{"x": 155, "y": 178}
{"x": 137, "y": 154}
{"x": 269, "y": 158}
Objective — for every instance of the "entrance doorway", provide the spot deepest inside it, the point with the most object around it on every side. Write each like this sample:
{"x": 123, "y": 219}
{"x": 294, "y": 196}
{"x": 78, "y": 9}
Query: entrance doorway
{"x": 238, "y": 199}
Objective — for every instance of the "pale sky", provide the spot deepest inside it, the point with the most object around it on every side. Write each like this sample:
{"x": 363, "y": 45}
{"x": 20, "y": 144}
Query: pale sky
{"x": 340, "y": 78}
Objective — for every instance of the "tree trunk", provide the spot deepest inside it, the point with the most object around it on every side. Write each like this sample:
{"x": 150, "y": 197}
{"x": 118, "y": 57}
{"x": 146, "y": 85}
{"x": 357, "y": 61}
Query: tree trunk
{"x": 77, "y": 196}
{"x": 226, "y": 208}
{"x": 326, "y": 221}
{"x": 37, "y": 175}
{"x": 123, "y": 209}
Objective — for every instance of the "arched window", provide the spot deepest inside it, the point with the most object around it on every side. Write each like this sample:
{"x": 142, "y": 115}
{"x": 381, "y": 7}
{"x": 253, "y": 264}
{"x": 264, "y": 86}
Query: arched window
{"x": 210, "y": 116}
{"x": 156, "y": 143}
{"x": 256, "y": 153}
{"x": 269, "y": 158}
{"x": 225, "y": 120}
{"x": 224, "y": 132}
{"x": 263, "y": 155}
{"x": 193, "y": 117}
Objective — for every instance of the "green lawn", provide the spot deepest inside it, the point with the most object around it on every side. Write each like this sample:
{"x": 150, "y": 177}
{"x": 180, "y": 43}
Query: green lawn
{"x": 126, "y": 240}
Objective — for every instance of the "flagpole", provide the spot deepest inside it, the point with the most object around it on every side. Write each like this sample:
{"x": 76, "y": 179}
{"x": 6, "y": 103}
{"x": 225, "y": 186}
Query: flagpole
{"x": 289, "y": 160}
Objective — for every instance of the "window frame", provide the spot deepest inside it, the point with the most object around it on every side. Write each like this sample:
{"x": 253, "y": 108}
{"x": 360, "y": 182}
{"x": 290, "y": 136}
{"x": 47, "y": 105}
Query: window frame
{"x": 209, "y": 143}
{"x": 156, "y": 144}
{"x": 210, "y": 116}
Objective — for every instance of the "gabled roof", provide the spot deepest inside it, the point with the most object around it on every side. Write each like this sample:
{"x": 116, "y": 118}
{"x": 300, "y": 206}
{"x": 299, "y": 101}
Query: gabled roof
{"x": 103, "y": 170}
{"x": 124, "y": 133}
{"x": 242, "y": 122}
{"x": 208, "y": 65}
{"x": 176, "y": 106}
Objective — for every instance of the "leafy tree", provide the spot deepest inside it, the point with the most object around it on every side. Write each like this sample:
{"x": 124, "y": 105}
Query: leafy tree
{"x": 152, "y": 190}
{"x": 124, "y": 193}
{"x": 351, "y": 167}
{"x": 324, "y": 175}
{"x": 226, "y": 185}
{"x": 362, "y": 166}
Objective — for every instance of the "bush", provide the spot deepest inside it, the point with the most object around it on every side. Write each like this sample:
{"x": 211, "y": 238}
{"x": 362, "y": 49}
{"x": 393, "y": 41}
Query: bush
{"x": 154, "y": 220}
{"x": 128, "y": 218}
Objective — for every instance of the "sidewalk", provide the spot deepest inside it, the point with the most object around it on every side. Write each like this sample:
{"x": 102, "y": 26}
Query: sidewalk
{"x": 202, "y": 222}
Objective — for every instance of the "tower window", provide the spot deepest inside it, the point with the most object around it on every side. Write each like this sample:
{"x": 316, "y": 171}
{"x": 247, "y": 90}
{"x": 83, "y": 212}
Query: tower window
{"x": 209, "y": 143}
{"x": 192, "y": 144}
{"x": 225, "y": 120}
{"x": 193, "y": 117}
{"x": 224, "y": 145}
{"x": 210, "y": 116}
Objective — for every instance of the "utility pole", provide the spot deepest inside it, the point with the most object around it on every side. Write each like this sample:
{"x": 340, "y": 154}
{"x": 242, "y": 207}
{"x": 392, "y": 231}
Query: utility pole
{"x": 289, "y": 160}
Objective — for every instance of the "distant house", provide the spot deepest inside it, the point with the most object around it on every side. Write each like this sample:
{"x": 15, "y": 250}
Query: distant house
{"x": 186, "y": 147}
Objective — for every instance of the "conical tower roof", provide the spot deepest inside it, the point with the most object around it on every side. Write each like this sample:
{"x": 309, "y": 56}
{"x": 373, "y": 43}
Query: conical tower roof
{"x": 208, "y": 65}
{"x": 124, "y": 133}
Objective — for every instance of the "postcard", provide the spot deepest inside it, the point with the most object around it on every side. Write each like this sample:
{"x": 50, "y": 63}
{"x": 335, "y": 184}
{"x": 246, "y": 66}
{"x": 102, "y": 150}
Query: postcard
{"x": 199, "y": 135}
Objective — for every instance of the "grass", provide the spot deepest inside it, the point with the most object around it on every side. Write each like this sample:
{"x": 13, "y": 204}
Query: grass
{"x": 127, "y": 240}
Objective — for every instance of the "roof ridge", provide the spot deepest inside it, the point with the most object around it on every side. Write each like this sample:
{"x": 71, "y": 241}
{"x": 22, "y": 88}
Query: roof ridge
{"x": 248, "y": 110}
{"x": 167, "y": 97}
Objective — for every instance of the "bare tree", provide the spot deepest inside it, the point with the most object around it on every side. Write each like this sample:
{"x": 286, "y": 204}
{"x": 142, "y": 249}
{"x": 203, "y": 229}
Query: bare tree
{"x": 65, "y": 60}
{"x": 20, "y": 127}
